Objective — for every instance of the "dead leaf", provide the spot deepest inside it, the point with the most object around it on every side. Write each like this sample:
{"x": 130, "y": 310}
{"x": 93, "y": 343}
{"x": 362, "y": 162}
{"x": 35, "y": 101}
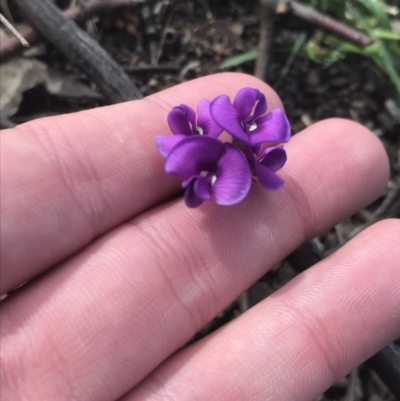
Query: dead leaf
{"x": 16, "y": 77}
{"x": 19, "y": 75}
{"x": 62, "y": 85}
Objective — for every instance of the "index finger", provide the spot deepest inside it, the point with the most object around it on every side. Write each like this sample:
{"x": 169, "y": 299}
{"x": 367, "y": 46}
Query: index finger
{"x": 66, "y": 180}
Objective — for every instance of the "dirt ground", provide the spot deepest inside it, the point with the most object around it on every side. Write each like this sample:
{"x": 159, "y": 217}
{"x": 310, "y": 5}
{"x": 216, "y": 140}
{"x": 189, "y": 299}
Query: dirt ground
{"x": 197, "y": 36}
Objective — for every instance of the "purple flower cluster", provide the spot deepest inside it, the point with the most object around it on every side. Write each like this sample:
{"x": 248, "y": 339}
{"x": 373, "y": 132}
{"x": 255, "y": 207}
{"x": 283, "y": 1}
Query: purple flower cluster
{"x": 209, "y": 167}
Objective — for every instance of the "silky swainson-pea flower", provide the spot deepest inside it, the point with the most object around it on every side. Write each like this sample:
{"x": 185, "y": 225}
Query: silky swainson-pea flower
{"x": 251, "y": 129}
{"x": 208, "y": 167}
{"x": 265, "y": 163}
{"x": 183, "y": 123}
{"x": 211, "y": 169}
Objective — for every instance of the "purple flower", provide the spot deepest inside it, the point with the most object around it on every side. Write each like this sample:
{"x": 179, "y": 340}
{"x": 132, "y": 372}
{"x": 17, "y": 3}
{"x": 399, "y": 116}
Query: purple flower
{"x": 182, "y": 122}
{"x": 251, "y": 129}
{"x": 265, "y": 163}
{"x": 209, "y": 167}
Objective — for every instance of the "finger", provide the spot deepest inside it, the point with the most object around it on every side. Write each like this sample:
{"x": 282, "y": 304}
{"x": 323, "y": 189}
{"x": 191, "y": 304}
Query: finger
{"x": 140, "y": 292}
{"x": 301, "y": 339}
{"x": 65, "y": 180}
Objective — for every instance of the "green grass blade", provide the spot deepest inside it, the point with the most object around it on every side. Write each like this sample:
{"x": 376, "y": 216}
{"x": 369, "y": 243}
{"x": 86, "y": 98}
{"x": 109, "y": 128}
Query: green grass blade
{"x": 293, "y": 53}
{"x": 386, "y": 35}
{"x": 239, "y": 59}
{"x": 385, "y": 59}
{"x": 376, "y": 8}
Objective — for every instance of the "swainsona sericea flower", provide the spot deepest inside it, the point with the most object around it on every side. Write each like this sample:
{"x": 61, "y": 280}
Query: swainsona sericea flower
{"x": 251, "y": 129}
{"x": 210, "y": 168}
{"x": 264, "y": 164}
{"x": 182, "y": 122}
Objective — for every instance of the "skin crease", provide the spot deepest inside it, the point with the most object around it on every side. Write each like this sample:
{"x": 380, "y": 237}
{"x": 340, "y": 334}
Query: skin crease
{"x": 78, "y": 175}
{"x": 94, "y": 326}
{"x": 250, "y": 356}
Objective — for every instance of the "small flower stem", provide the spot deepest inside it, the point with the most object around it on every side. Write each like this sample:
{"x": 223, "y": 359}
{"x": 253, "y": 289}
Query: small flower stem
{"x": 238, "y": 144}
{"x": 81, "y": 49}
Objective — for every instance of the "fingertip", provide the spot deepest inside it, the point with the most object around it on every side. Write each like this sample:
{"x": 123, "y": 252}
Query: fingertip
{"x": 210, "y": 87}
{"x": 365, "y": 154}
{"x": 356, "y": 137}
{"x": 363, "y": 161}
{"x": 244, "y": 80}
{"x": 385, "y": 234}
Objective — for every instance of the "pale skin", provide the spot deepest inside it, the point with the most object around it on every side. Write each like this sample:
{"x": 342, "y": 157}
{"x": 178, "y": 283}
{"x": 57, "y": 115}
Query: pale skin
{"x": 124, "y": 276}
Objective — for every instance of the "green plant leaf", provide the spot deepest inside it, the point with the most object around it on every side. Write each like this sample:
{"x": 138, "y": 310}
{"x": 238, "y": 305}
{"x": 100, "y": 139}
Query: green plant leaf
{"x": 293, "y": 53}
{"x": 376, "y": 8}
{"x": 385, "y": 58}
{"x": 386, "y": 35}
{"x": 239, "y": 59}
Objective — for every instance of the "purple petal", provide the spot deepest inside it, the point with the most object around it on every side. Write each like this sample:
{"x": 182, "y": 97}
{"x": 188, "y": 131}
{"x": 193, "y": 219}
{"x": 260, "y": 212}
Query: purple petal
{"x": 165, "y": 143}
{"x": 267, "y": 178}
{"x": 272, "y": 127}
{"x": 202, "y": 189}
{"x": 178, "y": 122}
{"x": 191, "y": 199}
{"x": 273, "y": 158}
{"x": 233, "y": 177}
{"x": 205, "y": 121}
{"x": 227, "y": 117}
{"x": 190, "y": 116}
{"x": 245, "y": 101}
{"x": 193, "y": 155}
{"x": 261, "y": 106}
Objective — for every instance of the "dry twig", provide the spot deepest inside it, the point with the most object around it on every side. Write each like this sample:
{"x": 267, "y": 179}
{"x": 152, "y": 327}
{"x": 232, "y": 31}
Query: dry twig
{"x": 81, "y": 49}
{"x": 266, "y": 31}
{"x": 323, "y": 21}
{"x": 13, "y": 31}
{"x": 389, "y": 208}
{"x": 164, "y": 30}
{"x": 12, "y": 46}
{"x": 272, "y": 7}
{"x": 153, "y": 68}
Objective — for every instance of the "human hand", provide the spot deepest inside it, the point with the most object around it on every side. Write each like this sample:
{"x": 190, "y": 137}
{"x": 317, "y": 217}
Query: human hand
{"x": 129, "y": 275}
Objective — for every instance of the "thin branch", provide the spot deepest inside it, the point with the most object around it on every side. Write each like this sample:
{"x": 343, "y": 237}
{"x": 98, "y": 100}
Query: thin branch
{"x": 164, "y": 29}
{"x": 13, "y": 31}
{"x": 389, "y": 208}
{"x": 244, "y": 304}
{"x": 324, "y": 21}
{"x": 80, "y": 48}
{"x": 266, "y": 31}
{"x": 153, "y": 68}
{"x": 11, "y": 46}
